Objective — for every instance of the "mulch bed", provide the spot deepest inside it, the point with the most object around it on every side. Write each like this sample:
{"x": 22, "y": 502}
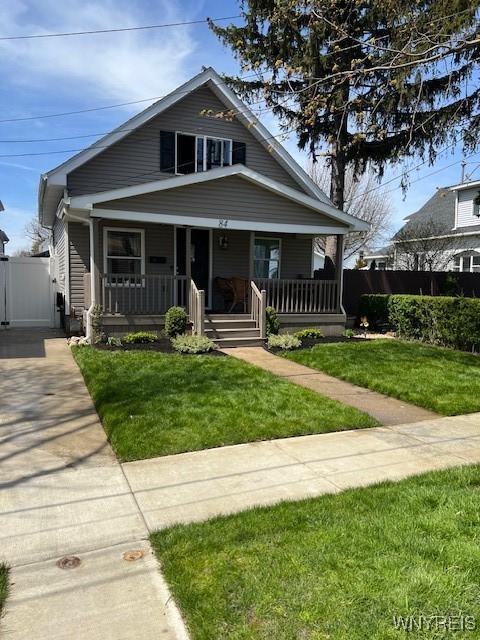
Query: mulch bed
{"x": 163, "y": 345}
{"x": 307, "y": 344}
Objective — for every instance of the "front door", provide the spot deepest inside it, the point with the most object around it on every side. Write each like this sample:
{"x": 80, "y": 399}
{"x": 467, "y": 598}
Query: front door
{"x": 199, "y": 257}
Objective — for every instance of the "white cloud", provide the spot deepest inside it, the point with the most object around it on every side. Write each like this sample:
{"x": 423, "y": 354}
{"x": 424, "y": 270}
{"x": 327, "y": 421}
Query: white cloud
{"x": 123, "y": 66}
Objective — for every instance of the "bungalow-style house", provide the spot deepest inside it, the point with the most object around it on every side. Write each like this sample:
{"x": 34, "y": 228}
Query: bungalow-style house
{"x": 193, "y": 203}
{"x": 444, "y": 234}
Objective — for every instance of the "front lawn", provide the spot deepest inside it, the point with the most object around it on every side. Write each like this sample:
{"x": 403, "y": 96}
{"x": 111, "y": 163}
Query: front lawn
{"x": 338, "y": 567}
{"x": 3, "y": 586}
{"x": 442, "y": 380}
{"x": 154, "y": 404}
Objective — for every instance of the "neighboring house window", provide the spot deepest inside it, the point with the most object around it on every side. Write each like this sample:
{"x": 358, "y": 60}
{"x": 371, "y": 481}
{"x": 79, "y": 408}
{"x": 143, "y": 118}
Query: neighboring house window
{"x": 467, "y": 262}
{"x": 266, "y": 258}
{"x": 184, "y": 153}
{"x": 124, "y": 253}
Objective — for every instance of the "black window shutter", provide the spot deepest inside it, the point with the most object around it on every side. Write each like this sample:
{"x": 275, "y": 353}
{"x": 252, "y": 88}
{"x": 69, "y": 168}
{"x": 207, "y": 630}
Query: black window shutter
{"x": 239, "y": 152}
{"x": 167, "y": 151}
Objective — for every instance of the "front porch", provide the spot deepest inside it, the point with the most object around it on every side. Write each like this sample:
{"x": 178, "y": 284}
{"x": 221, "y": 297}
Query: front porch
{"x": 215, "y": 278}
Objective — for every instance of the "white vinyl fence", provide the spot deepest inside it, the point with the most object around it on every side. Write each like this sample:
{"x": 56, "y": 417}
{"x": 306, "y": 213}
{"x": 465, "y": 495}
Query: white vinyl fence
{"x": 27, "y": 294}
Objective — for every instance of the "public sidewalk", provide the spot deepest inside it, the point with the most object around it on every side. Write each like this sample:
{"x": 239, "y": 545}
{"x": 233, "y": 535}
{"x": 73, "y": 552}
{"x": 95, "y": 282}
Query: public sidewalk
{"x": 387, "y": 411}
{"x": 196, "y": 486}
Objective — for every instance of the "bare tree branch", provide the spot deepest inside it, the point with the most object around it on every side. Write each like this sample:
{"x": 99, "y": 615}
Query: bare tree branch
{"x": 374, "y": 207}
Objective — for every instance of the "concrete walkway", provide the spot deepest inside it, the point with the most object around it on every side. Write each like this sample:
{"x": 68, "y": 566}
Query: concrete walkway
{"x": 388, "y": 411}
{"x": 196, "y": 486}
{"x": 63, "y": 493}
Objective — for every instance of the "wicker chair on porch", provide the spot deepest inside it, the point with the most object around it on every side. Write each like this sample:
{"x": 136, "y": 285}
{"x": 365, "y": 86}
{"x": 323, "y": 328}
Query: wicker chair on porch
{"x": 234, "y": 291}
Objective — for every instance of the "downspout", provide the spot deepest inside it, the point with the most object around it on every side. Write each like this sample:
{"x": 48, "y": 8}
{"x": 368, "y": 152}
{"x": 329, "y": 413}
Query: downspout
{"x": 93, "y": 301}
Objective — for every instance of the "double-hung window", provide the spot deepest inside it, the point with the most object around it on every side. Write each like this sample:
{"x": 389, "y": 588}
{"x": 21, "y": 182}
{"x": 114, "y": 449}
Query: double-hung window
{"x": 266, "y": 257}
{"x": 201, "y": 153}
{"x": 468, "y": 262}
{"x": 124, "y": 254}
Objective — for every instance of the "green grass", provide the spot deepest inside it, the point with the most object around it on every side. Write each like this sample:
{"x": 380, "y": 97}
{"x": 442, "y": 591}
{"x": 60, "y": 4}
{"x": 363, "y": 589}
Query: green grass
{"x": 3, "y": 585}
{"x": 442, "y": 380}
{"x": 154, "y": 404}
{"x": 335, "y": 567}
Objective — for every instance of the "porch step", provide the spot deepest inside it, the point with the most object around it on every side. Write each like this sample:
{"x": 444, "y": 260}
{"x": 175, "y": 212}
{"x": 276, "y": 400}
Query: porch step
{"x": 229, "y": 324}
{"x": 238, "y": 342}
{"x": 232, "y": 332}
{"x": 227, "y": 316}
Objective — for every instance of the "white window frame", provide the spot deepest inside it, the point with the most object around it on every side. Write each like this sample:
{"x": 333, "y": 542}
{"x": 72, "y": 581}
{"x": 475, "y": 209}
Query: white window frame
{"x": 279, "y": 240}
{"x": 141, "y": 258}
{"x": 461, "y": 257}
{"x": 204, "y": 138}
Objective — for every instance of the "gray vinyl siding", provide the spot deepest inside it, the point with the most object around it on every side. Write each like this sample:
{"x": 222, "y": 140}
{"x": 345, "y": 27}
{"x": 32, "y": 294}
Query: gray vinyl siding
{"x": 296, "y": 256}
{"x": 79, "y": 254}
{"x": 136, "y": 158}
{"x": 231, "y": 198}
{"x": 159, "y": 242}
{"x": 60, "y": 245}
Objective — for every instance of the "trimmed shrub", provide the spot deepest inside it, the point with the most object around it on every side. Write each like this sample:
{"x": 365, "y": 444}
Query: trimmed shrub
{"x": 273, "y": 323}
{"x": 192, "y": 344}
{"x": 140, "y": 337}
{"x": 445, "y": 321}
{"x": 375, "y": 308}
{"x": 176, "y": 321}
{"x": 285, "y": 341}
{"x": 348, "y": 333}
{"x": 309, "y": 334}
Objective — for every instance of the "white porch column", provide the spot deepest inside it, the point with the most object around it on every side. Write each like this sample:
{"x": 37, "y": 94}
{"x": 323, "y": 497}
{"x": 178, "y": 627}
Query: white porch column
{"x": 339, "y": 269}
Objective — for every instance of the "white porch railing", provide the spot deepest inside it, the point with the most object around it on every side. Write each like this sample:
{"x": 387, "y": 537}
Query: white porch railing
{"x": 301, "y": 296}
{"x": 258, "y": 304}
{"x": 142, "y": 294}
{"x": 196, "y": 309}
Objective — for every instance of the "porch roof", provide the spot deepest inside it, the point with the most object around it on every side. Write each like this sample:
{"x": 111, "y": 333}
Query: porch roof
{"x": 322, "y": 219}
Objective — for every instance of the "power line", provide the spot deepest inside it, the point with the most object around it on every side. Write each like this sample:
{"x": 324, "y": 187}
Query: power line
{"x": 117, "y": 30}
{"x": 111, "y": 106}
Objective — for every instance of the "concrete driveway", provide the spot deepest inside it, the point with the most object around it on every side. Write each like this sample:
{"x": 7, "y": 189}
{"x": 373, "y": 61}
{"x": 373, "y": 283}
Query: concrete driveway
{"x": 63, "y": 493}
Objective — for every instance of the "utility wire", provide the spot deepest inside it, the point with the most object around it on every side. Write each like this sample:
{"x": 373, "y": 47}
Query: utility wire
{"x": 118, "y": 30}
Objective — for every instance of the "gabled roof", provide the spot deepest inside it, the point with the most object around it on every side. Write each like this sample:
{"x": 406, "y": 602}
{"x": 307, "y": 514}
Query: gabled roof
{"x": 87, "y": 201}
{"x": 53, "y": 182}
{"x": 439, "y": 208}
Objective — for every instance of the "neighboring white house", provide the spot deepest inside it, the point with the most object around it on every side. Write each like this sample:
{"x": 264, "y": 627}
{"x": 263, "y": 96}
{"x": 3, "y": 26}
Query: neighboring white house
{"x": 444, "y": 234}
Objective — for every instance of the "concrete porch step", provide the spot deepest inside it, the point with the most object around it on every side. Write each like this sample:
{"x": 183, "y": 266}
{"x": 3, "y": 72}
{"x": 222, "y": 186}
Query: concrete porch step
{"x": 227, "y": 316}
{"x": 229, "y": 324}
{"x": 225, "y": 343}
{"x": 232, "y": 332}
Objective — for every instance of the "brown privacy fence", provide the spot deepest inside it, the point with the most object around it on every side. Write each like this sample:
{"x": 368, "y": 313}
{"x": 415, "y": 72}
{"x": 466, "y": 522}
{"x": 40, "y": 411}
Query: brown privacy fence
{"x": 436, "y": 283}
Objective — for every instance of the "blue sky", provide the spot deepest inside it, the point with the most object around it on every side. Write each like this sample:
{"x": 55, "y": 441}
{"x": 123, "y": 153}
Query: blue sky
{"x": 45, "y": 76}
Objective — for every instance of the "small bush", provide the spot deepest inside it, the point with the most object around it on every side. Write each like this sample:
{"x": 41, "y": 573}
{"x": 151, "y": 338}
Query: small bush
{"x": 114, "y": 341}
{"x": 309, "y": 334}
{"x": 375, "y": 308}
{"x": 285, "y": 341}
{"x": 192, "y": 344}
{"x": 348, "y": 333}
{"x": 140, "y": 337}
{"x": 176, "y": 321}
{"x": 273, "y": 323}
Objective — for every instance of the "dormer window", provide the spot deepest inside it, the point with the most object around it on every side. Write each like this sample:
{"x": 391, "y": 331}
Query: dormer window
{"x": 184, "y": 153}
